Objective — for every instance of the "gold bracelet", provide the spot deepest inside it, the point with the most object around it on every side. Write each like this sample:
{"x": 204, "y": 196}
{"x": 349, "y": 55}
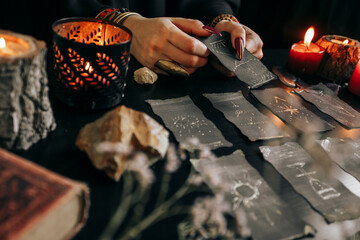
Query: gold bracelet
{"x": 222, "y": 17}
{"x": 120, "y": 18}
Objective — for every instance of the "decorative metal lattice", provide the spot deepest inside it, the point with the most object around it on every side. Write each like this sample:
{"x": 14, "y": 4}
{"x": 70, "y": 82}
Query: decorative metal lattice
{"x": 90, "y": 62}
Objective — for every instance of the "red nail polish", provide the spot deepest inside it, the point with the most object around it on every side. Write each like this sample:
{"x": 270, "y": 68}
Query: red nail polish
{"x": 212, "y": 30}
{"x": 239, "y": 47}
{"x": 242, "y": 47}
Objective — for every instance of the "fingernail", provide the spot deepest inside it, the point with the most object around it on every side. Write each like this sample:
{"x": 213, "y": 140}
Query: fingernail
{"x": 238, "y": 47}
{"x": 242, "y": 47}
{"x": 211, "y": 29}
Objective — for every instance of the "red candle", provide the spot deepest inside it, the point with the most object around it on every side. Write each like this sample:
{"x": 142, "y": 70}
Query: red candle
{"x": 305, "y": 56}
{"x": 354, "y": 84}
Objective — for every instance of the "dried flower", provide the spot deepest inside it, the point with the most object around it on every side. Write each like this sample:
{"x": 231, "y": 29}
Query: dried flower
{"x": 190, "y": 144}
{"x": 195, "y": 180}
{"x": 194, "y": 141}
{"x": 172, "y": 160}
{"x": 206, "y": 153}
{"x": 213, "y": 177}
{"x": 208, "y": 215}
{"x": 139, "y": 164}
{"x": 242, "y": 227}
{"x": 114, "y": 147}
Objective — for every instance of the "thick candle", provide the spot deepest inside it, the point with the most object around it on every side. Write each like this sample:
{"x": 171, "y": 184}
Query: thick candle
{"x": 354, "y": 84}
{"x": 12, "y": 46}
{"x": 305, "y": 56}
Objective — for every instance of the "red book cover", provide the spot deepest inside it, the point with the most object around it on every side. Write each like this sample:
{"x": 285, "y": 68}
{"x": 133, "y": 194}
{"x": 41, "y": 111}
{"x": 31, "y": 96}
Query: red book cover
{"x": 36, "y": 203}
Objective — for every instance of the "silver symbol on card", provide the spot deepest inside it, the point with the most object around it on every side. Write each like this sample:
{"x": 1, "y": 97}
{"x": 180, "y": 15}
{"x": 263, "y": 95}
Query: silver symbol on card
{"x": 234, "y": 105}
{"x": 325, "y": 191}
{"x": 245, "y": 193}
{"x": 189, "y": 125}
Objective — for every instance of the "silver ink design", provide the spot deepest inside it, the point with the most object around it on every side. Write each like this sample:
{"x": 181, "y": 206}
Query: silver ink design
{"x": 189, "y": 124}
{"x": 245, "y": 193}
{"x": 325, "y": 191}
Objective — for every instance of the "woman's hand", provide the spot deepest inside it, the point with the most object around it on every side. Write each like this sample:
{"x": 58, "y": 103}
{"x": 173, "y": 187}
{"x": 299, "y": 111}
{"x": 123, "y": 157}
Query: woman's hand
{"x": 241, "y": 36}
{"x": 169, "y": 39}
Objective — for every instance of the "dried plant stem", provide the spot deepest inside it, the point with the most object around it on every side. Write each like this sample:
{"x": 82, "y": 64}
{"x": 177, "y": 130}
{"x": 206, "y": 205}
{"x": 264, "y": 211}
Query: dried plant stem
{"x": 138, "y": 211}
{"x": 165, "y": 182}
{"x": 158, "y": 213}
{"x": 122, "y": 210}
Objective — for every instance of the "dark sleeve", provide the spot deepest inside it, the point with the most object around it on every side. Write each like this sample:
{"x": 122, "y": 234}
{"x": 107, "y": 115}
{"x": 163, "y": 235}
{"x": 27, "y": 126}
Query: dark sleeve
{"x": 206, "y": 10}
{"x": 86, "y": 8}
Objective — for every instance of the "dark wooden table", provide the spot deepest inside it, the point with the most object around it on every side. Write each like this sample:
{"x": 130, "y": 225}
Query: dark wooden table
{"x": 59, "y": 153}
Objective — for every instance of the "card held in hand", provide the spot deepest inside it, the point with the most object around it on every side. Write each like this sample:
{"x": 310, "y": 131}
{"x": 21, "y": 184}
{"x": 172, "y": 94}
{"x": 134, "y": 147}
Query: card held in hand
{"x": 267, "y": 215}
{"x": 327, "y": 102}
{"x": 186, "y": 120}
{"x": 325, "y": 193}
{"x": 250, "y": 69}
{"x": 288, "y": 107}
{"x": 251, "y": 122}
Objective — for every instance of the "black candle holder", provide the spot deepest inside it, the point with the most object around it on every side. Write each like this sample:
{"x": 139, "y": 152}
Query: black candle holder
{"x": 91, "y": 59}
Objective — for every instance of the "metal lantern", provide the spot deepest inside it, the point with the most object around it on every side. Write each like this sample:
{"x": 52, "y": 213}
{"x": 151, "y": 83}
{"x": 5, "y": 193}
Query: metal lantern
{"x": 91, "y": 59}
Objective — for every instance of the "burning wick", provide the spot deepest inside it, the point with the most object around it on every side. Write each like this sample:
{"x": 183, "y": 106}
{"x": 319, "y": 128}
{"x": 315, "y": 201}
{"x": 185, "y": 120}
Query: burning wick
{"x": 2, "y": 43}
{"x": 88, "y": 67}
{"x": 309, "y": 36}
{"x": 345, "y": 42}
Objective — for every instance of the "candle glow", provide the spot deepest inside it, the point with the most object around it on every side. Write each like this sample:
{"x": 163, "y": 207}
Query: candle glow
{"x": 2, "y": 43}
{"x": 305, "y": 56}
{"x": 341, "y": 41}
{"x": 11, "y": 46}
{"x": 354, "y": 84}
{"x": 309, "y": 35}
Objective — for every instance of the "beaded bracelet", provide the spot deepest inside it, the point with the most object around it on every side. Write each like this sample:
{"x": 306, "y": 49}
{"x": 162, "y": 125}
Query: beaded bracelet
{"x": 104, "y": 14}
{"x": 116, "y": 15}
{"x": 221, "y": 17}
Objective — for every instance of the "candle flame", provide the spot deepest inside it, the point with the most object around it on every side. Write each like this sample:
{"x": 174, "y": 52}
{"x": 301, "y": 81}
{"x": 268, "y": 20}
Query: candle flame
{"x": 345, "y": 41}
{"x": 88, "y": 67}
{"x": 309, "y": 36}
{"x": 2, "y": 43}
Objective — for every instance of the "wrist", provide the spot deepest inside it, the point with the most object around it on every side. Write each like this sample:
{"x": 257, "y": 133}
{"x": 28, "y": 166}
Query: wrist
{"x": 222, "y": 17}
{"x": 131, "y": 21}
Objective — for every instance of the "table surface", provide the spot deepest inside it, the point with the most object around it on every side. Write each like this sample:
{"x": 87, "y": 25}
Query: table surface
{"x": 58, "y": 152}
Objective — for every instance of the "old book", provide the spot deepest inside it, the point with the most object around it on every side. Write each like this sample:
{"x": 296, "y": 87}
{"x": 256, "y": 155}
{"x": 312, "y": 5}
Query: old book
{"x": 36, "y": 203}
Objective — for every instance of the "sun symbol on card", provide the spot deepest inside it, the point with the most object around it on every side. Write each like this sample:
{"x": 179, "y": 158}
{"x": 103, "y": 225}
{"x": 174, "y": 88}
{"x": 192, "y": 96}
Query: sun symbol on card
{"x": 189, "y": 125}
{"x": 289, "y": 109}
{"x": 245, "y": 192}
{"x": 285, "y": 107}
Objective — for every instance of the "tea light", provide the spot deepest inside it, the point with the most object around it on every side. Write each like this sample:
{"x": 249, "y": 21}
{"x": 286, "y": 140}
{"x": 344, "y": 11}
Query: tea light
{"x": 12, "y": 45}
{"x": 354, "y": 84}
{"x": 340, "y": 58}
{"x": 305, "y": 56}
{"x": 91, "y": 62}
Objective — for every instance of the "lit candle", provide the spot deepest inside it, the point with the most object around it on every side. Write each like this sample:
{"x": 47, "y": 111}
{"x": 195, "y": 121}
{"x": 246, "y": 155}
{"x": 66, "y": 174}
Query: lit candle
{"x": 305, "y": 56}
{"x": 344, "y": 41}
{"x": 354, "y": 84}
{"x": 12, "y": 46}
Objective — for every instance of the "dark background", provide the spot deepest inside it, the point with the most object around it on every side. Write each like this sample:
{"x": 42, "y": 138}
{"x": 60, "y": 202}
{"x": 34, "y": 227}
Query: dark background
{"x": 279, "y": 23}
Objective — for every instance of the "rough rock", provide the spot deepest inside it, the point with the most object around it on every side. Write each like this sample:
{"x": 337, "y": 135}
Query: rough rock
{"x": 126, "y": 126}
{"x": 145, "y": 75}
